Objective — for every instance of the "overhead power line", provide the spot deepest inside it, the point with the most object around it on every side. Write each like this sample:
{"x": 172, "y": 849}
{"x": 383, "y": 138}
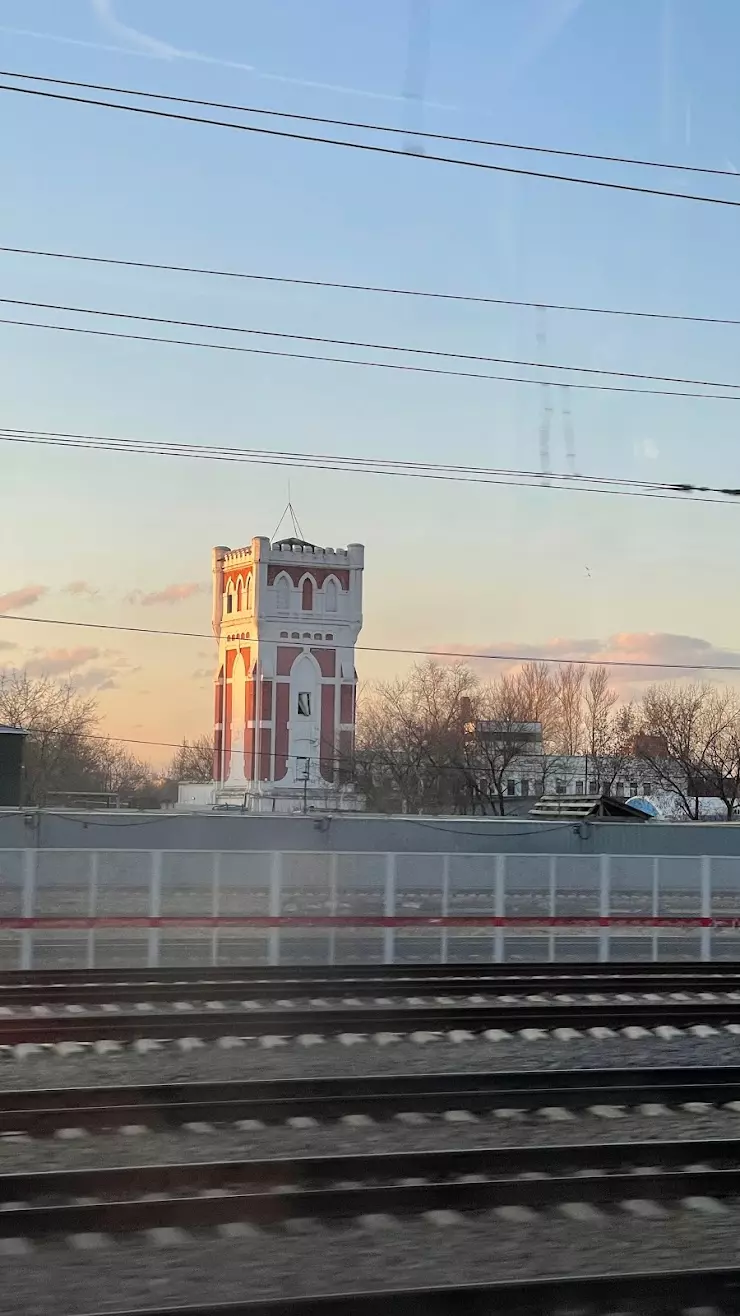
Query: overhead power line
{"x": 418, "y": 653}
{"x": 368, "y": 346}
{"x": 477, "y": 299}
{"x": 374, "y": 365}
{"x": 372, "y": 147}
{"x": 349, "y": 465}
{"x": 335, "y": 759}
{"x": 366, "y": 126}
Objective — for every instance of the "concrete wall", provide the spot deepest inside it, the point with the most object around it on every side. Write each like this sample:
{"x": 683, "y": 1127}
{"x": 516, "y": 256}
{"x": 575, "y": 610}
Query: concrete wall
{"x": 121, "y": 830}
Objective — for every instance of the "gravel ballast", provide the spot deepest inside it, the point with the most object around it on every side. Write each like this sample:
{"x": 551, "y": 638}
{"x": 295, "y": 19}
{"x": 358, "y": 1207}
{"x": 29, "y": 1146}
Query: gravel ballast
{"x": 212, "y": 1062}
{"x": 56, "y": 1280}
{"x": 231, "y": 1143}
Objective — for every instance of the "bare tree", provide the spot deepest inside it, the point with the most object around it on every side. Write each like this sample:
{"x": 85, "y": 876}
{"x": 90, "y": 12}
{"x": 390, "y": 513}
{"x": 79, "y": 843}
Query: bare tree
{"x": 408, "y": 731}
{"x": 59, "y": 753}
{"x": 609, "y": 731}
{"x": 117, "y": 771}
{"x": 539, "y": 699}
{"x": 722, "y": 777}
{"x": 192, "y": 760}
{"x": 569, "y": 702}
{"x": 690, "y": 737}
{"x": 495, "y": 740}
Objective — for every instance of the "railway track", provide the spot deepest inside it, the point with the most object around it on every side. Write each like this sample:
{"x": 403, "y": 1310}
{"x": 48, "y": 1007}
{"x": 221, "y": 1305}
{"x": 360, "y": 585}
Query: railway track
{"x": 645, "y": 1179}
{"x": 292, "y": 1019}
{"x": 341, "y": 985}
{"x": 712, "y": 1290}
{"x": 556, "y": 975}
{"x": 40, "y": 1112}
{"x": 266, "y": 1193}
{"x": 383, "y": 985}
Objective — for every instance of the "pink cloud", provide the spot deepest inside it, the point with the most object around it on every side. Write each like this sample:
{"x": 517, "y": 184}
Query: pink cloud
{"x": 22, "y": 598}
{"x": 49, "y": 662}
{"x": 81, "y": 587}
{"x": 644, "y": 651}
{"x": 171, "y": 594}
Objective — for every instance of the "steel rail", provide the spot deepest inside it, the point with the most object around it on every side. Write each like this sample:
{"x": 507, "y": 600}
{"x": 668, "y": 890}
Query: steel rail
{"x": 336, "y": 987}
{"x": 42, "y": 1111}
{"x": 618, "y": 971}
{"x": 644, "y": 1293}
{"x": 334, "y": 1019}
{"x": 268, "y": 1192}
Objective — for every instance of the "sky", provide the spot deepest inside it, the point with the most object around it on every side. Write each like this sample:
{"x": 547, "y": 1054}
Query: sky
{"x": 126, "y": 540}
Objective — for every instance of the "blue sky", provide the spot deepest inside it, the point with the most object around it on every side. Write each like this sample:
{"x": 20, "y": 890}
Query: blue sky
{"x": 454, "y": 566}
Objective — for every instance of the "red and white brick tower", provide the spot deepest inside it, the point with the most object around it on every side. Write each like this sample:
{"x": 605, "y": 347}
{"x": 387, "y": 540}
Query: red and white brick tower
{"x": 286, "y": 616}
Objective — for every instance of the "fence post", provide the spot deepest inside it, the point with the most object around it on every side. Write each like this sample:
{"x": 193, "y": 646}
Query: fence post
{"x": 604, "y": 906}
{"x": 30, "y": 857}
{"x": 276, "y": 882}
{"x": 656, "y": 904}
{"x": 389, "y": 907}
{"x": 445, "y": 906}
{"x": 499, "y": 889}
{"x": 155, "y": 907}
{"x": 333, "y": 865}
{"x": 92, "y": 903}
{"x": 706, "y": 906}
{"x": 215, "y": 905}
{"x": 552, "y": 939}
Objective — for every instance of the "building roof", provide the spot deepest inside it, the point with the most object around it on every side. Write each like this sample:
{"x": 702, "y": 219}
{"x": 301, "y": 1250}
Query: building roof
{"x": 12, "y": 731}
{"x": 295, "y": 543}
{"x": 579, "y": 807}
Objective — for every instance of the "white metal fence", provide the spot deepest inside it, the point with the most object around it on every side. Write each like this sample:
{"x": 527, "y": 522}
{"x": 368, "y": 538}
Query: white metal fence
{"x": 125, "y": 908}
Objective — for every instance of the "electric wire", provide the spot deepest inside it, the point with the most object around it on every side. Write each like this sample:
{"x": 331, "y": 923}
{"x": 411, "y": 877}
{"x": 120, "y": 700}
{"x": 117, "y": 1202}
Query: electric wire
{"x": 522, "y": 479}
{"x": 361, "y": 362}
{"x": 369, "y": 346}
{"x": 375, "y": 149}
{"x": 477, "y": 299}
{"x": 469, "y": 655}
{"x": 372, "y": 127}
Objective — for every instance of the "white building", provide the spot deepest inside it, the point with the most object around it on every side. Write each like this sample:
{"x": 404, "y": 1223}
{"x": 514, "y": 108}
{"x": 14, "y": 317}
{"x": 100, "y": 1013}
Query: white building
{"x": 531, "y": 773}
{"x": 286, "y": 617}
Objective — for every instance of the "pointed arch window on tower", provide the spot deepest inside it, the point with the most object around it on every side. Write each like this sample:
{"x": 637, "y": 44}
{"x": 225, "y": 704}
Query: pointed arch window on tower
{"x": 239, "y": 596}
{"x": 307, "y": 596}
{"x": 330, "y": 595}
{"x": 283, "y": 594}
{"x": 248, "y": 594}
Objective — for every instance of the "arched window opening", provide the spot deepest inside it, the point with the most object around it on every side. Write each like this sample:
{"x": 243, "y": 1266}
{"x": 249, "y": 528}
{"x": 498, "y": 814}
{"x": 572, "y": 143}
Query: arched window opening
{"x": 331, "y": 596}
{"x": 283, "y": 594}
{"x": 248, "y": 594}
{"x": 239, "y": 596}
{"x": 307, "y": 596}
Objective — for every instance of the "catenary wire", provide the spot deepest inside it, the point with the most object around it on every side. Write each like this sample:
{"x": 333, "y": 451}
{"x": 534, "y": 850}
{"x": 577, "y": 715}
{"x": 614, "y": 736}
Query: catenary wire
{"x": 369, "y": 346}
{"x": 376, "y": 365}
{"x": 375, "y": 648}
{"x": 680, "y": 492}
{"x": 15, "y": 433}
{"x": 477, "y": 299}
{"x": 374, "y": 149}
{"x": 371, "y": 127}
